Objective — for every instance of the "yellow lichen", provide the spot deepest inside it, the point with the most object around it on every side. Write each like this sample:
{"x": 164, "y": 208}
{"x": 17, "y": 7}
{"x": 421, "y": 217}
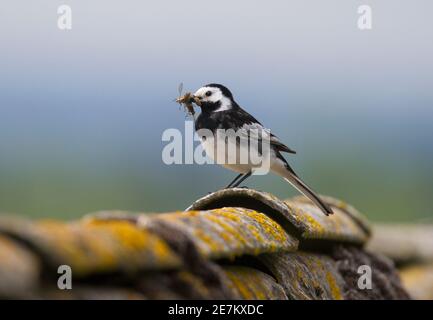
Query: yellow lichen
{"x": 250, "y": 283}
{"x": 210, "y": 244}
{"x": 239, "y": 286}
{"x": 228, "y": 230}
{"x": 335, "y": 290}
{"x": 103, "y": 245}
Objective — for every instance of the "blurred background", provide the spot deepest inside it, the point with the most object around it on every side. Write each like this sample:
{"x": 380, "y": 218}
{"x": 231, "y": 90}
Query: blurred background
{"x": 82, "y": 112}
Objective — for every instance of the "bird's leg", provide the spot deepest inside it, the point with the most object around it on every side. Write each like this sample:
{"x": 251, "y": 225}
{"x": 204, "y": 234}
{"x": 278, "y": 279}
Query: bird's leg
{"x": 234, "y": 180}
{"x": 246, "y": 175}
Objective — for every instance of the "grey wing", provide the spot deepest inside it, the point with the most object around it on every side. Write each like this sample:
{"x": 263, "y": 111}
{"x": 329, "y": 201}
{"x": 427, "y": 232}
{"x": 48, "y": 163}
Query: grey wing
{"x": 252, "y": 133}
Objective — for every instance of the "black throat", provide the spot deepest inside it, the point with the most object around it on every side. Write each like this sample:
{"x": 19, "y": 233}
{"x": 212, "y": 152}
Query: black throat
{"x": 211, "y": 120}
{"x": 209, "y": 107}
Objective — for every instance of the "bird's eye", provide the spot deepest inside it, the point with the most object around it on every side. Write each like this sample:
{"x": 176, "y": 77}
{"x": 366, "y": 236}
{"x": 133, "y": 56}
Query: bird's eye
{"x": 208, "y": 93}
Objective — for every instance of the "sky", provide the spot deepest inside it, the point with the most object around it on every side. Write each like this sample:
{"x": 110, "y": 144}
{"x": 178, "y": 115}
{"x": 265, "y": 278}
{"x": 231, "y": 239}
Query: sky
{"x": 82, "y": 111}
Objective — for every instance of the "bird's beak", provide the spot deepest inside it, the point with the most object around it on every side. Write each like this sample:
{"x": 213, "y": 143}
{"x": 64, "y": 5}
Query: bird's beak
{"x": 197, "y": 100}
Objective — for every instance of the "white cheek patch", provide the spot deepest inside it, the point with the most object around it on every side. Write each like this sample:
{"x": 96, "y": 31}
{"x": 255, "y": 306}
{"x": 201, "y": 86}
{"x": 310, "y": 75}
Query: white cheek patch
{"x": 226, "y": 104}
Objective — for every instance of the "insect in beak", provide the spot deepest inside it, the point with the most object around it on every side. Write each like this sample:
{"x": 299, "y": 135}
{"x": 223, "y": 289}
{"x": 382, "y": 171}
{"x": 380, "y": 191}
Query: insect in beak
{"x": 187, "y": 100}
{"x": 197, "y": 100}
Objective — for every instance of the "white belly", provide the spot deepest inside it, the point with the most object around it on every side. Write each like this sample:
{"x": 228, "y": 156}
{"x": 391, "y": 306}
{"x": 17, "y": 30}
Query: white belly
{"x": 236, "y": 157}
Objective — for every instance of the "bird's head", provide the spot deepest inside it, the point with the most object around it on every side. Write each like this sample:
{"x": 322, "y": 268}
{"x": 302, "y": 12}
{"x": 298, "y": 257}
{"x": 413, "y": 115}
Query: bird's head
{"x": 214, "y": 98}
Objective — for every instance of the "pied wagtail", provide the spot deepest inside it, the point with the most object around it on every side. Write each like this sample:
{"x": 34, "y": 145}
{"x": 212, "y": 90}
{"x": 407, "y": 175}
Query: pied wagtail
{"x": 219, "y": 110}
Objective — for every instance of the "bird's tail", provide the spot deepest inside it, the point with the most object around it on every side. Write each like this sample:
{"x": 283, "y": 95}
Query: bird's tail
{"x": 290, "y": 176}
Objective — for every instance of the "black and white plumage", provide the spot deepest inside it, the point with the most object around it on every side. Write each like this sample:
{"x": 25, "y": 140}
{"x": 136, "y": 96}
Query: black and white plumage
{"x": 219, "y": 110}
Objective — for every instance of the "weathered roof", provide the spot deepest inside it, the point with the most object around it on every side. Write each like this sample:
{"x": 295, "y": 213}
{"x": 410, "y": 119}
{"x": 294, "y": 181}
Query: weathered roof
{"x": 298, "y": 214}
{"x": 411, "y": 249}
{"x": 92, "y": 246}
{"x": 227, "y": 232}
{"x": 404, "y": 244}
{"x": 233, "y": 244}
{"x": 418, "y": 280}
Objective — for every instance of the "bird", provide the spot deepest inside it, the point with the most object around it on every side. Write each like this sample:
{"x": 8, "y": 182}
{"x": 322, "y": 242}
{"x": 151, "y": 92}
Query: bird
{"x": 219, "y": 110}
